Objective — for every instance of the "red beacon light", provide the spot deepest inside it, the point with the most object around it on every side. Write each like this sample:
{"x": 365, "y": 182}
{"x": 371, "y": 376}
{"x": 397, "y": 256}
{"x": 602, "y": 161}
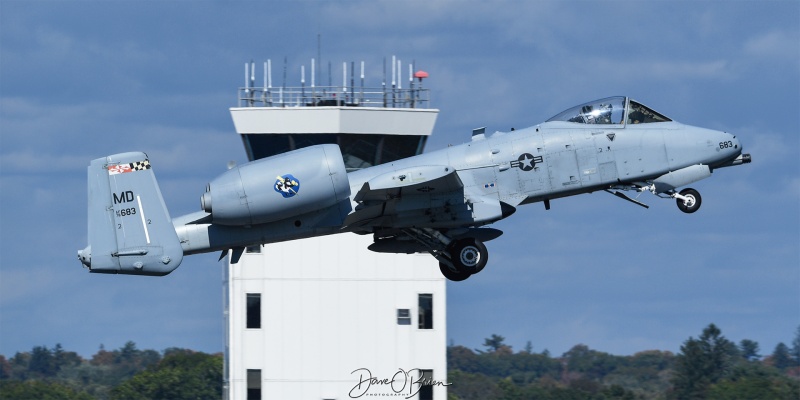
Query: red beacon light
{"x": 420, "y": 75}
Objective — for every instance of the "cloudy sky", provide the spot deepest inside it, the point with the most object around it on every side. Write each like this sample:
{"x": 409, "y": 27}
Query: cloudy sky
{"x": 83, "y": 79}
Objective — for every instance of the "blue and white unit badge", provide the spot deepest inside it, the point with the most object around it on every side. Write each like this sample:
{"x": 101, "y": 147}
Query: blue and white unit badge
{"x": 287, "y": 186}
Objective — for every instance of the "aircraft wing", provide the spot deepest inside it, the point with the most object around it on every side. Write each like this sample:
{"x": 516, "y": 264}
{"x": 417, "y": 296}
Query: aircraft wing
{"x": 392, "y": 186}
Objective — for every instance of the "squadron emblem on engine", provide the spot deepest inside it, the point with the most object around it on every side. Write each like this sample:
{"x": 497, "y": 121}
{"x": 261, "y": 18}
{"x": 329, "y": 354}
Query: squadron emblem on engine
{"x": 287, "y": 185}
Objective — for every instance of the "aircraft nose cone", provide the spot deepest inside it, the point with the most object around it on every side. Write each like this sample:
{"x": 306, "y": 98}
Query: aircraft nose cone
{"x": 728, "y": 148}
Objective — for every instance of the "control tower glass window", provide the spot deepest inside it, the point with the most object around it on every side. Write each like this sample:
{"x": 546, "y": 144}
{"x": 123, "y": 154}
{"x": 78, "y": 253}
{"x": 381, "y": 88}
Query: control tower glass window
{"x": 358, "y": 150}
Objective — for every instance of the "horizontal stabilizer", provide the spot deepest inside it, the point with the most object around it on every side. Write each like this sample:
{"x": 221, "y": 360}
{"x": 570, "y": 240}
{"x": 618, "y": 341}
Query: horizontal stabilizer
{"x": 235, "y": 253}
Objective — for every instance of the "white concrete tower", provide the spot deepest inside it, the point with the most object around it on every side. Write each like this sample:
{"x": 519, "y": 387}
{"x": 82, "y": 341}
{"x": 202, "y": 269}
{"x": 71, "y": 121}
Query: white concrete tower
{"x": 316, "y": 318}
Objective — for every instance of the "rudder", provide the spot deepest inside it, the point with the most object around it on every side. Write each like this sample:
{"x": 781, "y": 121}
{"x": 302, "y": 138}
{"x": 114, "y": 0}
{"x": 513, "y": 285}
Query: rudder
{"x": 130, "y": 230}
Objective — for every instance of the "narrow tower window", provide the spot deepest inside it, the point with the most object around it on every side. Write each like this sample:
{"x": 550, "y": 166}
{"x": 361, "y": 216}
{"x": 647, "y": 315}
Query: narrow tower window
{"x": 253, "y": 384}
{"x": 425, "y": 311}
{"x": 253, "y": 310}
{"x": 426, "y": 380}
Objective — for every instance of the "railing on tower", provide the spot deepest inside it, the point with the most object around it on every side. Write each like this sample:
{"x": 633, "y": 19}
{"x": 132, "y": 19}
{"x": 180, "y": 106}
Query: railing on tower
{"x": 326, "y": 96}
{"x": 348, "y": 94}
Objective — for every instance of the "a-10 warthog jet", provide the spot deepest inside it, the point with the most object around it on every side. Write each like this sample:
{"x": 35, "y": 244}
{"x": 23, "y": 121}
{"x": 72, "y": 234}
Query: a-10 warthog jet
{"x": 436, "y": 202}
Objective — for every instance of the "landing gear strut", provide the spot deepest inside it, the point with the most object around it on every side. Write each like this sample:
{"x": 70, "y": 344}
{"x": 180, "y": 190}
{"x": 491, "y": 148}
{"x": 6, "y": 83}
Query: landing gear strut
{"x": 688, "y": 199}
{"x": 459, "y": 258}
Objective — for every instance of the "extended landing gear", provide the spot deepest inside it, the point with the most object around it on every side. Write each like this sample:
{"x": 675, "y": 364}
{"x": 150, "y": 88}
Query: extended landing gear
{"x": 451, "y": 275}
{"x": 688, "y": 200}
{"x": 467, "y": 257}
{"x": 459, "y": 257}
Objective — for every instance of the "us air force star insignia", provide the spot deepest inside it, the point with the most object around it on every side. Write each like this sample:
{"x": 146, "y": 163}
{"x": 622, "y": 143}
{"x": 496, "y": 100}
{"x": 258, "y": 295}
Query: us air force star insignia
{"x": 526, "y": 161}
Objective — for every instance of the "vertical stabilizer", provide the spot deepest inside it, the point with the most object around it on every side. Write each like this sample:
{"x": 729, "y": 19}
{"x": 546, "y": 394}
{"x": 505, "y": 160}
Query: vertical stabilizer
{"x": 130, "y": 231}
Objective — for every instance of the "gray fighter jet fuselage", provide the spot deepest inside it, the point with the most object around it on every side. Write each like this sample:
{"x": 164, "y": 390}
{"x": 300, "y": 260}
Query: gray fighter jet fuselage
{"x": 438, "y": 202}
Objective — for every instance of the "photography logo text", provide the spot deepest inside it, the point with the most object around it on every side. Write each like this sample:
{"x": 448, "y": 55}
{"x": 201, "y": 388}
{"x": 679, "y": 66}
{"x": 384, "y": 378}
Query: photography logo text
{"x": 403, "y": 384}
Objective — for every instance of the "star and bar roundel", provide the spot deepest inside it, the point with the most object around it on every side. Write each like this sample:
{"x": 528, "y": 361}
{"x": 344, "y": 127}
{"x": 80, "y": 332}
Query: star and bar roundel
{"x": 526, "y": 161}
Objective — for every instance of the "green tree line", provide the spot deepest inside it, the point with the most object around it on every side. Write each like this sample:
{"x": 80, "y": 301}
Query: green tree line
{"x": 707, "y": 367}
{"x": 122, "y": 374}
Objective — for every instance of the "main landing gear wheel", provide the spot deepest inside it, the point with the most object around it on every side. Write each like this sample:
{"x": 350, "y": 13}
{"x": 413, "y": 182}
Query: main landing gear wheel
{"x": 692, "y": 201}
{"x": 468, "y": 255}
{"x": 453, "y": 276}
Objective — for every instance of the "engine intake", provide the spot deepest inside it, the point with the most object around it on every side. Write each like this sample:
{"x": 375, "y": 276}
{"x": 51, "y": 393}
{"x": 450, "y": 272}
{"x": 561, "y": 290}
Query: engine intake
{"x": 278, "y": 187}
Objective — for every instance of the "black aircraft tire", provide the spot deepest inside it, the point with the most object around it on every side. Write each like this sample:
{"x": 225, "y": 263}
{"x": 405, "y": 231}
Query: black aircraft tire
{"x": 694, "y": 205}
{"x": 452, "y": 276}
{"x": 469, "y": 255}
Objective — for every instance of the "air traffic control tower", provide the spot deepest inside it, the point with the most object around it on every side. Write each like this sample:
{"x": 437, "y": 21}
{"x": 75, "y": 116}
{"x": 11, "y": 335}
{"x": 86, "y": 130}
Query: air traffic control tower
{"x": 317, "y": 318}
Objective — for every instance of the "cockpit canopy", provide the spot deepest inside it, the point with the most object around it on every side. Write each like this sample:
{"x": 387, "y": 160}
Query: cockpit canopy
{"x": 616, "y": 110}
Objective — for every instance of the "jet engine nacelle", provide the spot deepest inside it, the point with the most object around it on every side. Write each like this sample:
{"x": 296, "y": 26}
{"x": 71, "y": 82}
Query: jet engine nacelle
{"x": 278, "y": 187}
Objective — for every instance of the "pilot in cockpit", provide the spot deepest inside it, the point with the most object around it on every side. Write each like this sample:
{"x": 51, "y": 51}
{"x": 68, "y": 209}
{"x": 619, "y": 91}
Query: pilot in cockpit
{"x": 635, "y": 117}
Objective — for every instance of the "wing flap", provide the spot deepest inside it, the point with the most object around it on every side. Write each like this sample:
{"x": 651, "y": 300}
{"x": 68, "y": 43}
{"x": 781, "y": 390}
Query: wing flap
{"x": 414, "y": 180}
{"x": 419, "y": 180}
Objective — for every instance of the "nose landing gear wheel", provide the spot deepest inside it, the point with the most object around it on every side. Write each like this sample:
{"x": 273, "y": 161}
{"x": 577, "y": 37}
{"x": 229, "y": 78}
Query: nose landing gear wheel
{"x": 692, "y": 202}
